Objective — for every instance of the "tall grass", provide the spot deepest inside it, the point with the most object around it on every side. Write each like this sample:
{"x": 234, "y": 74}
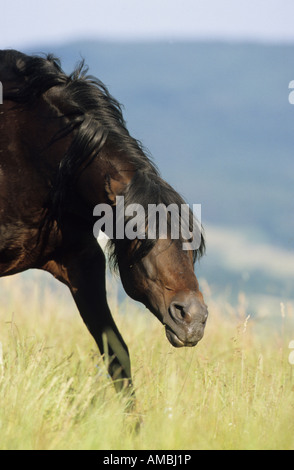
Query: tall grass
{"x": 235, "y": 390}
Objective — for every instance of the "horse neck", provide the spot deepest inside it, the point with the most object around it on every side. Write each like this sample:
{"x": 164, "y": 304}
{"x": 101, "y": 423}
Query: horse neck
{"x": 107, "y": 176}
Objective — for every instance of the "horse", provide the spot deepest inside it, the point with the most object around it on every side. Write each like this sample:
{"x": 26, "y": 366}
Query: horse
{"x": 64, "y": 148}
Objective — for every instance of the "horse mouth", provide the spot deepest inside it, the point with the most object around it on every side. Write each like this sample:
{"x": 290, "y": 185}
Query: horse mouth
{"x": 176, "y": 341}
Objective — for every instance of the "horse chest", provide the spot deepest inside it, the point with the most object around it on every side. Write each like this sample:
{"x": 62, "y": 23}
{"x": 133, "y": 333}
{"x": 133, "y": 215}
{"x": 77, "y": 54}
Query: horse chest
{"x": 21, "y": 247}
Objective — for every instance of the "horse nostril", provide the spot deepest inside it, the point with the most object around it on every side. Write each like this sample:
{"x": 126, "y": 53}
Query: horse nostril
{"x": 191, "y": 311}
{"x": 179, "y": 313}
{"x": 205, "y": 315}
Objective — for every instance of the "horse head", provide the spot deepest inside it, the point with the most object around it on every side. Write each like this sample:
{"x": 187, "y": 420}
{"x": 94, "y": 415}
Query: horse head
{"x": 165, "y": 282}
{"x": 158, "y": 272}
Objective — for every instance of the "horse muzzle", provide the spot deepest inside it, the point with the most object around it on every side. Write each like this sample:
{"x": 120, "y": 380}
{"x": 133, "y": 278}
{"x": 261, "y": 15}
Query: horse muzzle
{"x": 186, "y": 320}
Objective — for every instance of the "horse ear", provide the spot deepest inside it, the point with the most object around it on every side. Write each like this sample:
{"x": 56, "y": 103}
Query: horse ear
{"x": 113, "y": 188}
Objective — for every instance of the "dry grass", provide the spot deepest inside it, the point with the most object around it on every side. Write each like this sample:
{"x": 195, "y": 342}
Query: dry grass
{"x": 233, "y": 391}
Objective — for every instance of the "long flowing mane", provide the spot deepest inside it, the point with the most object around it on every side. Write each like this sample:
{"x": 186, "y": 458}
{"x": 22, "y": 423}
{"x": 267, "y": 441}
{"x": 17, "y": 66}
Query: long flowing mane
{"x": 94, "y": 118}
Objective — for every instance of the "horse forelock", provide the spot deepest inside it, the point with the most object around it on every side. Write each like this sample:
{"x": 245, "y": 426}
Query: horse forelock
{"x": 147, "y": 187}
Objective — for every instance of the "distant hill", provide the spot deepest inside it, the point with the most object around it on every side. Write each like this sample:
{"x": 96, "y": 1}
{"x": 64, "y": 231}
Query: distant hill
{"x": 217, "y": 120}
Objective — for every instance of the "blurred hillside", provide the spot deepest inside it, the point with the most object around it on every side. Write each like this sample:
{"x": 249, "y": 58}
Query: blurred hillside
{"x": 217, "y": 121}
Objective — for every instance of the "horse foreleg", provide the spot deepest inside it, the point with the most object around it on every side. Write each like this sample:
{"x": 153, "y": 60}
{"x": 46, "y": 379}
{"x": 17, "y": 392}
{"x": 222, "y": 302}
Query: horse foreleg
{"x": 109, "y": 340}
{"x": 84, "y": 273}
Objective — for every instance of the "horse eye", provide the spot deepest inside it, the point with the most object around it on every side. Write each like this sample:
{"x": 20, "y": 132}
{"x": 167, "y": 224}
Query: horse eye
{"x": 168, "y": 288}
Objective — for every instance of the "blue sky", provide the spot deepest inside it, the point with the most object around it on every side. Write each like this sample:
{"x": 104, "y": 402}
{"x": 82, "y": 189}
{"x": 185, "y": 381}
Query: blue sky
{"x": 31, "y": 22}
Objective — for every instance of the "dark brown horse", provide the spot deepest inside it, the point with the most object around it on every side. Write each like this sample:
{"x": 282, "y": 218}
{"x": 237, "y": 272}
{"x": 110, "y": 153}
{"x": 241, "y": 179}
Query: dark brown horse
{"x": 64, "y": 148}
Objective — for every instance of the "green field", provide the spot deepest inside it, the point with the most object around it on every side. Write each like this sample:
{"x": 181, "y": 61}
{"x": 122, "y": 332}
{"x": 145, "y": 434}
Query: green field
{"x": 235, "y": 390}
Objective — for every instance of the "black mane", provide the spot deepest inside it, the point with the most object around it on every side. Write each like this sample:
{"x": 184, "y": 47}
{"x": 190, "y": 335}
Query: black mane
{"x": 94, "y": 117}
